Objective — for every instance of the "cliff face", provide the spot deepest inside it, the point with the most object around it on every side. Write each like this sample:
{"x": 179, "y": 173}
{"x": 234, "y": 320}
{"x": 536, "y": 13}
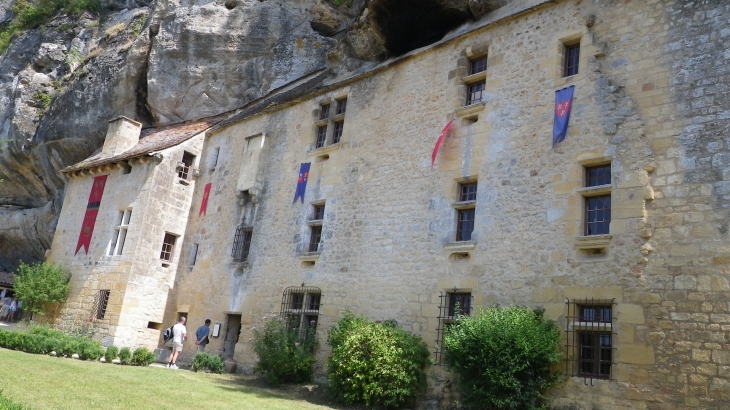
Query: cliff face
{"x": 165, "y": 62}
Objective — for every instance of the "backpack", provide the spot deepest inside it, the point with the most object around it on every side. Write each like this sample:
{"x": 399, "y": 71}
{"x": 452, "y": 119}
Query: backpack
{"x": 167, "y": 335}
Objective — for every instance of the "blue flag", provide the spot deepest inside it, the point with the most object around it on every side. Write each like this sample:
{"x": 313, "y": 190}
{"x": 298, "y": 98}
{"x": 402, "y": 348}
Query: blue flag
{"x": 302, "y": 181}
{"x": 563, "y": 103}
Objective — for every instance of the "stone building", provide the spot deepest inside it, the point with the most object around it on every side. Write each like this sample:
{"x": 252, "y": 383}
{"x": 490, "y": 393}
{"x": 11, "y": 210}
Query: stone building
{"x": 620, "y": 232}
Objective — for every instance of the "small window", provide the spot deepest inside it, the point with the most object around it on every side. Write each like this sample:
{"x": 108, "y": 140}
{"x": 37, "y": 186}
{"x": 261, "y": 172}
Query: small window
{"x": 321, "y": 136}
{"x": 193, "y": 256}
{"x": 598, "y": 208}
{"x": 478, "y": 65}
{"x": 185, "y": 167}
{"x": 102, "y": 300}
{"x": 572, "y": 57}
{"x": 242, "y": 243}
{"x": 337, "y": 133}
{"x": 324, "y": 111}
{"x": 214, "y": 157}
{"x": 168, "y": 247}
{"x": 315, "y": 238}
{"x": 475, "y": 93}
{"x": 468, "y": 192}
{"x": 341, "y": 106}
{"x": 452, "y": 304}
{"x": 590, "y": 338}
{"x": 120, "y": 232}
{"x": 600, "y": 175}
{"x": 300, "y": 309}
{"x": 459, "y": 304}
{"x": 318, "y": 213}
{"x": 465, "y": 225}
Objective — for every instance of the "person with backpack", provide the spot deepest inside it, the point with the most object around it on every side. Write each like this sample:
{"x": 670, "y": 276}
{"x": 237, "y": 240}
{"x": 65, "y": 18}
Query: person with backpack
{"x": 179, "y": 335}
{"x": 201, "y": 336}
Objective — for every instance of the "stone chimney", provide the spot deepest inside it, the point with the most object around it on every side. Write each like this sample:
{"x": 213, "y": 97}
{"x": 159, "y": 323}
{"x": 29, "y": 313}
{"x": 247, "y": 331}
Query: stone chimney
{"x": 121, "y": 135}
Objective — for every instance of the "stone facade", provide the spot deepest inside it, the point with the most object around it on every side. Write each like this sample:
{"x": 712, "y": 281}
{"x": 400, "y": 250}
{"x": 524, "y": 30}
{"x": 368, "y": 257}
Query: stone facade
{"x": 650, "y": 100}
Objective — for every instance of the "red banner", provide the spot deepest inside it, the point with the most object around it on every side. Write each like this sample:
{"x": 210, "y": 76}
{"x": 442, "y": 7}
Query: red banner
{"x": 92, "y": 209}
{"x": 440, "y": 141}
{"x": 206, "y": 194}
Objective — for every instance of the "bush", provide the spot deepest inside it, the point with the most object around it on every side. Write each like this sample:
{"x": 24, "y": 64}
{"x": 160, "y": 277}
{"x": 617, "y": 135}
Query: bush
{"x": 112, "y": 352}
{"x": 39, "y": 284}
{"x": 204, "y": 361}
{"x": 69, "y": 346}
{"x": 90, "y": 350}
{"x": 142, "y": 357}
{"x": 7, "y": 404}
{"x": 125, "y": 355}
{"x": 501, "y": 357}
{"x": 379, "y": 364}
{"x": 284, "y": 355}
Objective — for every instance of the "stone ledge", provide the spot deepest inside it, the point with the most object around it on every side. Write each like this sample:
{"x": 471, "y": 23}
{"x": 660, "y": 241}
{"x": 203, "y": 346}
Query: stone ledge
{"x": 460, "y": 246}
{"x": 475, "y": 78}
{"x": 464, "y": 204}
{"x": 592, "y": 242}
{"x": 595, "y": 190}
{"x": 315, "y": 222}
{"x": 309, "y": 256}
{"x": 324, "y": 150}
{"x": 469, "y": 109}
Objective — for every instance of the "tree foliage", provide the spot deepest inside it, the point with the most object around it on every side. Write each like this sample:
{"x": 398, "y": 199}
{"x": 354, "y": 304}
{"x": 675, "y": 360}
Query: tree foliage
{"x": 40, "y": 284}
{"x": 501, "y": 357}
{"x": 285, "y": 354}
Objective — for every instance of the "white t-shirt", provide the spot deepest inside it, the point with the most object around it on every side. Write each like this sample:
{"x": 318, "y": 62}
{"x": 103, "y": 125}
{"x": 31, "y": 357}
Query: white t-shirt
{"x": 177, "y": 332}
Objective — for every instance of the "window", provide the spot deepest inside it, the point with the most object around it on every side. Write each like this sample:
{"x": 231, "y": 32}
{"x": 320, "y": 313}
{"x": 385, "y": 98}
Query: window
{"x": 318, "y": 213}
{"x": 242, "y": 243}
{"x": 476, "y": 80}
{"x": 590, "y": 338}
{"x": 597, "y": 207}
{"x": 214, "y": 157}
{"x": 478, "y": 65}
{"x": 572, "y": 57}
{"x": 452, "y": 304}
{"x": 315, "y": 227}
{"x": 120, "y": 232}
{"x": 185, "y": 166}
{"x": 300, "y": 309}
{"x": 466, "y": 211}
{"x": 331, "y": 116}
{"x": 193, "y": 255}
{"x": 100, "y": 303}
{"x": 475, "y": 93}
{"x": 315, "y": 238}
{"x": 168, "y": 247}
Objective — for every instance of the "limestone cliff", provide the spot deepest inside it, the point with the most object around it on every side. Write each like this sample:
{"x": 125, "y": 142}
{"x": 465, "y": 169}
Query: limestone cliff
{"x": 170, "y": 61}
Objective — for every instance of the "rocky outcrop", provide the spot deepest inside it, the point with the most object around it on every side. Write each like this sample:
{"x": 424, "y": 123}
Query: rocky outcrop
{"x": 170, "y": 61}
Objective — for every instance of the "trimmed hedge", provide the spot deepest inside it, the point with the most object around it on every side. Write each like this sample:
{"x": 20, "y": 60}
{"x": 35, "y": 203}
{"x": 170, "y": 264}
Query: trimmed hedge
{"x": 40, "y": 340}
{"x": 142, "y": 357}
{"x": 204, "y": 361}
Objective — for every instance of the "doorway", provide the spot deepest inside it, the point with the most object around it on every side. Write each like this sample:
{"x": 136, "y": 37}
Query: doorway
{"x": 233, "y": 329}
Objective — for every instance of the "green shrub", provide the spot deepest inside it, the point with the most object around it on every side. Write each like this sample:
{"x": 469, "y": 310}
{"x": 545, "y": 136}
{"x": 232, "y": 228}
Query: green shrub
{"x": 69, "y": 346}
{"x": 44, "y": 330}
{"x": 36, "y": 344}
{"x": 204, "y": 361}
{"x": 378, "y": 364}
{"x": 142, "y": 357}
{"x": 125, "y": 355}
{"x": 112, "y": 352}
{"x": 501, "y": 357}
{"x": 42, "y": 283}
{"x": 7, "y": 404}
{"x": 285, "y": 355}
{"x": 90, "y": 350}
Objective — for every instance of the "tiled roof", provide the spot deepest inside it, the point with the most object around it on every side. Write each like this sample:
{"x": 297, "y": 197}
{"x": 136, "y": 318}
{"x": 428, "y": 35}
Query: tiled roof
{"x": 150, "y": 140}
{"x": 7, "y": 278}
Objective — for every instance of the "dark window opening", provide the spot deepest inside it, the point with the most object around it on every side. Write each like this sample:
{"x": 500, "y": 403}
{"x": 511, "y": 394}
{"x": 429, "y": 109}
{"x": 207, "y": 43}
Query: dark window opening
{"x": 168, "y": 247}
{"x": 242, "y": 243}
{"x": 324, "y": 112}
{"x": 315, "y": 238}
{"x": 598, "y": 215}
{"x": 186, "y": 165}
{"x": 341, "y": 106}
{"x": 468, "y": 192}
{"x": 451, "y": 305}
{"x": 475, "y": 93}
{"x": 572, "y": 57}
{"x": 101, "y": 302}
{"x": 589, "y": 338}
{"x": 465, "y": 225}
{"x": 300, "y": 309}
{"x": 318, "y": 213}
{"x": 459, "y": 304}
{"x": 600, "y": 175}
{"x": 478, "y": 66}
{"x": 321, "y": 136}
{"x": 337, "y": 132}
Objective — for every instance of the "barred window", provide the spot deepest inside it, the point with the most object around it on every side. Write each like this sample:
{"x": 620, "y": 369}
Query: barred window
{"x": 100, "y": 303}
{"x": 590, "y": 338}
{"x": 242, "y": 243}
{"x": 452, "y": 304}
{"x": 300, "y": 309}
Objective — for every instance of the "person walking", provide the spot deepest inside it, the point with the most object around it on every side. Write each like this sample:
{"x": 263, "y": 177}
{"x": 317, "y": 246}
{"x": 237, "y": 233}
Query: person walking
{"x": 201, "y": 336}
{"x": 179, "y": 335}
{"x": 5, "y": 310}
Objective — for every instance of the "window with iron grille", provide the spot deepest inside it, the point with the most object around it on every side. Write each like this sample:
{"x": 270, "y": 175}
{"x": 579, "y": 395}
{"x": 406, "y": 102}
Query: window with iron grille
{"x": 572, "y": 57}
{"x": 168, "y": 247}
{"x": 186, "y": 165}
{"x": 451, "y": 305}
{"x": 341, "y": 106}
{"x": 475, "y": 93}
{"x": 102, "y": 302}
{"x": 242, "y": 243}
{"x": 324, "y": 111}
{"x": 589, "y": 338}
{"x": 598, "y": 208}
{"x": 120, "y": 232}
{"x": 337, "y": 132}
{"x": 300, "y": 308}
{"x": 478, "y": 65}
{"x": 321, "y": 136}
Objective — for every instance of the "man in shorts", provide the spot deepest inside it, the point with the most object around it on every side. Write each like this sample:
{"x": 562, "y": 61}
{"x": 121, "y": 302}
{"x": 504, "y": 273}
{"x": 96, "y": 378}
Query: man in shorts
{"x": 179, "y": 335}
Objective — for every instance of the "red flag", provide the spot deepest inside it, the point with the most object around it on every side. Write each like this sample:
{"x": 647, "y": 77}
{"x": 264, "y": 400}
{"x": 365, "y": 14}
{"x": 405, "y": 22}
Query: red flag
{"x": 440, "y": 141}
{"x": 92, "y": 210}
{"x": 206, "y": 194}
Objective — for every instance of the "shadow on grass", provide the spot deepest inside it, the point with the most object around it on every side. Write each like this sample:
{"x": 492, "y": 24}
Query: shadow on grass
{"x": 312, "y": 393}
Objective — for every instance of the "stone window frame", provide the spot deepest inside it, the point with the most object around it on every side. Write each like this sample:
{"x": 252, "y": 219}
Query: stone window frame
{"x": 446, "y": 315}
{"x": 582, "y": 37}
{"x": 116, "y": 246}
{"x": 167, "y": 252}
{"x": 459, "y": 249}
{"x": 241, "y": 250}
{"x": 321, "y": 147}
{"x": 593, "y": 245}
{"x": 193, "y": 254}
{"x": 214, "y": 157}
{"x": 578, "y": 326}
{"x": 300, "y": 310}
{"x": 101, "y": 303}
{"x": 462, "y": 78}
{"x": 316, "y": 226}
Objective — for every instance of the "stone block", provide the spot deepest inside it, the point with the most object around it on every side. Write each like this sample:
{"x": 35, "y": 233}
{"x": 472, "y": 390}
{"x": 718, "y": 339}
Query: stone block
{"x": 635, "y": 354}
{"x": 543, "y": 295}
{"x": 630, "y": 314}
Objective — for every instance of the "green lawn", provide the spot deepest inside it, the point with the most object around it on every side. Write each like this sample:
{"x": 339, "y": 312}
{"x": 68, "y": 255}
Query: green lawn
{"x": 44, "y": 382}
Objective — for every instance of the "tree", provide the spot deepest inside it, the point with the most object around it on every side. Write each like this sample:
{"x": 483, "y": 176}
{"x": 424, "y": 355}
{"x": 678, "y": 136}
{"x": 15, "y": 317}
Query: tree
{"x": 40, "y": 284}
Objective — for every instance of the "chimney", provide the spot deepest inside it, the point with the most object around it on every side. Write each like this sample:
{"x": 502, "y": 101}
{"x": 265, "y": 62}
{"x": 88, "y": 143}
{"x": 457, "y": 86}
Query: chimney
{"x": 121, "y": 135}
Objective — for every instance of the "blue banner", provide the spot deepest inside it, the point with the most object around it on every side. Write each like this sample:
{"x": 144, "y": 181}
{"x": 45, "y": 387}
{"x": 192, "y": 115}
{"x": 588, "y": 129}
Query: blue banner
{"x": 302, "y": 181}
{"x": 563, "y": 104}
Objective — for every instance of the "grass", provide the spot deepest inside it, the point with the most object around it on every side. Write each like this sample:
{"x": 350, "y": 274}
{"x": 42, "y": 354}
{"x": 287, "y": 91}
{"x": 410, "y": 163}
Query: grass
{"x": 45, "y": 382}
